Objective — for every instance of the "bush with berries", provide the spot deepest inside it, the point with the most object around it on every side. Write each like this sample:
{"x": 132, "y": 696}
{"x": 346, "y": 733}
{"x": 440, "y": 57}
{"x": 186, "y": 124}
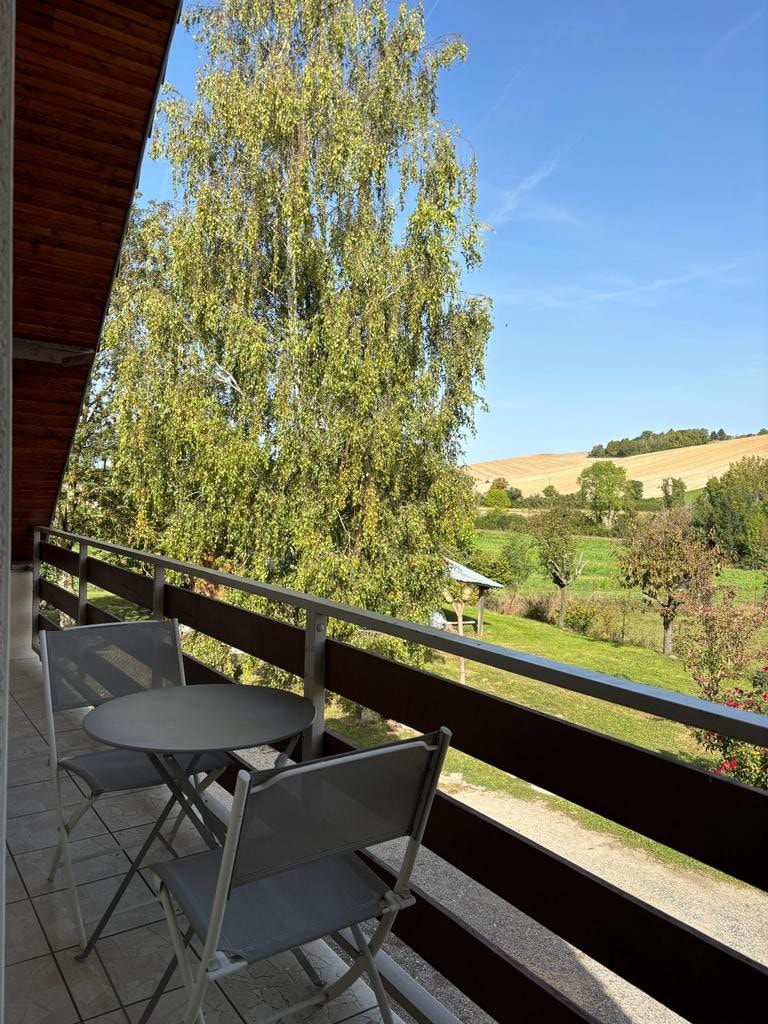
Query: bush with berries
{"x": 720, "y": 642}
{"x": 736, "y": 760}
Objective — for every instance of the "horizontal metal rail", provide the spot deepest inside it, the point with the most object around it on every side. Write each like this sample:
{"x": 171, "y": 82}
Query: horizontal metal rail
{"x": 649, "y": 793}
{"x": 677, "y": 707}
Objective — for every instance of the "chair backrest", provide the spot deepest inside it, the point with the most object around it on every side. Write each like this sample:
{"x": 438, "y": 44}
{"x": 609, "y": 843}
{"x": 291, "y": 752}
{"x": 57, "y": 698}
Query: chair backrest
{"x": 88, "y": 665}
{"x": 302, "y": 813}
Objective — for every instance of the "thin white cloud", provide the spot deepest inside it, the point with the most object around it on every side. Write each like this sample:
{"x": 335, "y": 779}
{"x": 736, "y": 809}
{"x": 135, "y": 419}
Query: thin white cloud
{"x": 514, "y": 197}
{"x": 545, "y": 213}
{"x": 729, "y": 35}
{"x": 581, "y": 297}
{"x": 662, "y": 283}
{"x": 431, "y": 11}
{"x": 516, "y": 202}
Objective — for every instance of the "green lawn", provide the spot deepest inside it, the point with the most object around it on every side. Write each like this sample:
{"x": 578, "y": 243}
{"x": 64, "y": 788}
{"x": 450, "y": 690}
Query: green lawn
{"x": 622, "y": 660}
{"x": 599, "y": 576}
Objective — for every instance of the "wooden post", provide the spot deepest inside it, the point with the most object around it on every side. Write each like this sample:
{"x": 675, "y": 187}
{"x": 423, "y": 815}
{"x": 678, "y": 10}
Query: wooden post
{"x": 314, "y": 682}
{"x": 482, "y": 593}
{"x": 35, "y": 590}
{"x": 158, "y": 593}
{"x": 459, "y": 609}
{"x": 82, "y": 585}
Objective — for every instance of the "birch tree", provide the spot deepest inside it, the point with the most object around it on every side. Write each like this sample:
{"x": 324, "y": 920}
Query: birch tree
{"x": 296, "y": 362}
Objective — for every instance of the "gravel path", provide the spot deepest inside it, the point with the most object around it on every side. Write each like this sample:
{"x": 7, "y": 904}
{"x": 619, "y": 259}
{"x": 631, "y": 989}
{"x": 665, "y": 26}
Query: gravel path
{"x": 734, "y": 914}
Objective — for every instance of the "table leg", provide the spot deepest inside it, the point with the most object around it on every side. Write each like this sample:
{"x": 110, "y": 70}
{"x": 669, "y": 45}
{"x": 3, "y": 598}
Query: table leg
{"x": 135, "y": 863}
{"x": 212, "y": 830}
{"x": 284, "y": 756}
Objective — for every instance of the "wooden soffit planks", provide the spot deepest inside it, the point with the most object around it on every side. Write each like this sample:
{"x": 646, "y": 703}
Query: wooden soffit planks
{"x": 87, "y": 75}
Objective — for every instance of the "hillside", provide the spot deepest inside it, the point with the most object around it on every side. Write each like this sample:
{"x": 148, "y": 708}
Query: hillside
{"x": 695, "y": 465}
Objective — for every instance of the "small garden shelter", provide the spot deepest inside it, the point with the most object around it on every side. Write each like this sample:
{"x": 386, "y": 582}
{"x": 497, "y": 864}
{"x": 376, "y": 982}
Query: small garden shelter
{"x": 463, "y": 574}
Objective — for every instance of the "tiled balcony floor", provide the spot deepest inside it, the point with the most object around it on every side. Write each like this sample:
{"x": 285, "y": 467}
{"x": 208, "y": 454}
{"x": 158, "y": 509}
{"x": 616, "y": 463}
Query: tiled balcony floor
{"x": 44, "y": 982}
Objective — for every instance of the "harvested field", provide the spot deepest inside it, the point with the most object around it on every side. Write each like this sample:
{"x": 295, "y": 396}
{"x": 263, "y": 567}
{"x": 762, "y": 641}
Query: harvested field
{"x": 694, "y": 465}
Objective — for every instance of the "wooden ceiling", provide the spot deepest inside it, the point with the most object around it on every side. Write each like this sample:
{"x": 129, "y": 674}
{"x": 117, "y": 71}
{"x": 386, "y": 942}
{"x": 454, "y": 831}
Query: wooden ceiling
{"x": 87, "y": 74}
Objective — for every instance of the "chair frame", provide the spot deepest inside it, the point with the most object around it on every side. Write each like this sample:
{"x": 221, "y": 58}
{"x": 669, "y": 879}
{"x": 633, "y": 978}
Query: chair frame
{"x": 215, "y": 964}
{"x": 62, "y": 855}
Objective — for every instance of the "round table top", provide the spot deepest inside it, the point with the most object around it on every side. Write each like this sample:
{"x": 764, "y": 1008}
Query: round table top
{"x": 199, "y": 719}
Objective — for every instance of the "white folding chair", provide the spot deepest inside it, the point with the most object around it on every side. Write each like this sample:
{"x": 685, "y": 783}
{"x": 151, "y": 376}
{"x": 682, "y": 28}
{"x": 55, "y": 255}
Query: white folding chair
{"x": 84, "y": 666}
{"x": 289, "y": 872}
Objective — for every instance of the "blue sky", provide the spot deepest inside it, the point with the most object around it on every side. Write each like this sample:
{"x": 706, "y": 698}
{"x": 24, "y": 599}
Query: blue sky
{"x": 623, "y": 173}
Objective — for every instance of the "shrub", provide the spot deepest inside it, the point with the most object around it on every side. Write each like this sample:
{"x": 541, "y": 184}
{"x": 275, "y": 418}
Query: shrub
{"x": 517, "y": 523}
{"x": 532, "y": 501}
{"x": 540, "y": 608}
{"x": 494, "y": 519}
{"x": 673, "y": 492}
{"x": 493, "y": 566}
{"x": 582, "y": 617}
{"x": 511, "y": 567}
{"x": 504, "y": 602}
{"x": 613, "y": 614}
{"x": 496, "y": 498}
{"x": 585, "y": 526}
{"x": 519, "y": 559}
{"x": 649, "y": 504}
{"x": 744, "y": 762}
{"x": 720, "y": 643}
{"x": 733, "y": 511}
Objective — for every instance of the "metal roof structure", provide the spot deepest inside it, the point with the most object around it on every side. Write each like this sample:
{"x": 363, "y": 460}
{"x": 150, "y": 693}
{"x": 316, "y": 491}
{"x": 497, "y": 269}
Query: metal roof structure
{"x": 463, "y": 574}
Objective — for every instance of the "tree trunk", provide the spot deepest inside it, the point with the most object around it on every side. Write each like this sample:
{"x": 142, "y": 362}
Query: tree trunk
{"x": 563, "y": 606}
{"x": 667, "y": 647}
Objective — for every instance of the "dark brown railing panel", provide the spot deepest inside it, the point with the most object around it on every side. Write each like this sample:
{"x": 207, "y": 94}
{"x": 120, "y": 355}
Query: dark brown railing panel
{"x": 276, "y": 642}
{"x": 196, "y": 671}
{"x": 495, "y": 982}
{"x": 62, "y": 558}
{"x": 657, "y": 796}
{"x": 43, "y": 622}
{"x": 95, "y": 616}
{"x": 60, "y": 598}
{"x": 689, "y": 972}
{"x": 123, "y": 582}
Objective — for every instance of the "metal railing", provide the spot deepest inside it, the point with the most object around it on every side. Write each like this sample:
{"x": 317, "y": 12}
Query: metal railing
{"x": 676, "y": 707}
{"x": 676, "y": 804}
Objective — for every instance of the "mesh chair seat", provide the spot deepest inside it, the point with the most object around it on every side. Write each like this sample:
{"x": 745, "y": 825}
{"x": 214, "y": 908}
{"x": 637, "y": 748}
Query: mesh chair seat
{"x": 113, "y": 771}
{"x": 277, "y": 912}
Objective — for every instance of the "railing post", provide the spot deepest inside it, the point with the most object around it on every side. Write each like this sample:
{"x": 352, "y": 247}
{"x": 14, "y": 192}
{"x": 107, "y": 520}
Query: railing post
{"x": 35, "y": 590}
{"x": 158, "y": 593}
{"x": 314, "y": 682}
{"x": 82, "y": 585}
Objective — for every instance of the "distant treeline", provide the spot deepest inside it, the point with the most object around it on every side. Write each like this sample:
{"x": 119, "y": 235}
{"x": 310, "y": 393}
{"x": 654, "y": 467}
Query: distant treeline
{"x": 650, "y": 441}
{"x": 731, "y": 510}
